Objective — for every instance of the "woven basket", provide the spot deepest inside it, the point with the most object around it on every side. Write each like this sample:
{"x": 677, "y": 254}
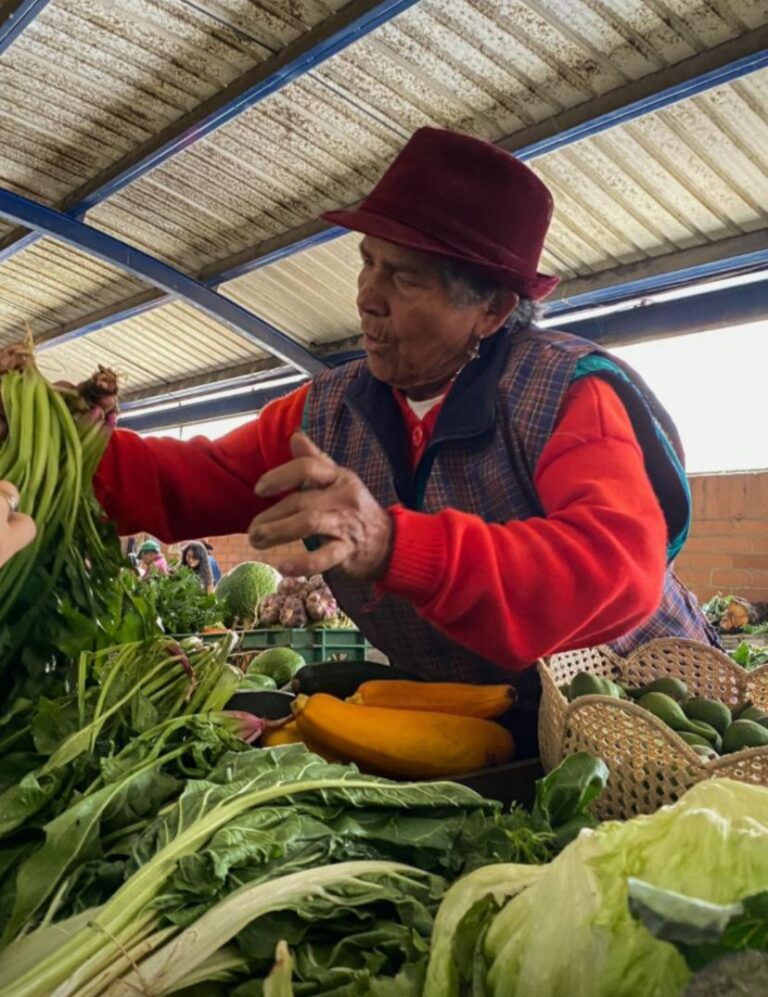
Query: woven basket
{"x": 649, "y": 764}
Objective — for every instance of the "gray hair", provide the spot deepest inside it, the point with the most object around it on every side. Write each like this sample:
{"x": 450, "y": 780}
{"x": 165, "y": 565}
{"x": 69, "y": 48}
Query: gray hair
{"x": 468, "y": 285}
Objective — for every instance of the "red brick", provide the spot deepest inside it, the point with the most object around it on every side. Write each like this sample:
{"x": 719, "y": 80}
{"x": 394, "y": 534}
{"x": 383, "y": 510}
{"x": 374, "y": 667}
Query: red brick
{"x": 697, "y": 544}
{"x": 713, "y": 527}
{"x": 750, "y": 527}
{"x": 734, "y": 544}
{"x": 705, "y": 562}
{"x": 740, "y": 578}
{"x": 756, "y": 562}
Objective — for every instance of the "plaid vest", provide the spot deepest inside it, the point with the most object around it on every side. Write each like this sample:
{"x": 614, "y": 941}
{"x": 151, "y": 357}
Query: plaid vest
{"x": 489, "y": 436}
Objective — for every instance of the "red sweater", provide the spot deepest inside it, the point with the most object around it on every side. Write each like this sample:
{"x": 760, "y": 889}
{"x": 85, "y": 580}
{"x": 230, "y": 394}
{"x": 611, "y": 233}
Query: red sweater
{"x": 587, "y": 572}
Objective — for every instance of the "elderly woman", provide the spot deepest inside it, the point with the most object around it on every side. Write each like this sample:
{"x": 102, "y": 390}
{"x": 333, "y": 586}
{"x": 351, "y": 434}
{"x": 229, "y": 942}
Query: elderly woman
{"x": 480, "y": 491}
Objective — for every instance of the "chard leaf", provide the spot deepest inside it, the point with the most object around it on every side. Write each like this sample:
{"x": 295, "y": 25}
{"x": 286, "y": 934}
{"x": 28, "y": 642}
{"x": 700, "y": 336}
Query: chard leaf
{"x": 316, "y": 893}
{"x": 19, "y": 803}
{"x": 564, "y": 795}
{"x": 54, "y": 721}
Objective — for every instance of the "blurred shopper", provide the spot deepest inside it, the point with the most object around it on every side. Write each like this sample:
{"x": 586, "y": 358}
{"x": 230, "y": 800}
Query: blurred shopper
{"x": 215, "y": 568}
{"x": 195, "y": 557}
{"x": 151, "y": 559}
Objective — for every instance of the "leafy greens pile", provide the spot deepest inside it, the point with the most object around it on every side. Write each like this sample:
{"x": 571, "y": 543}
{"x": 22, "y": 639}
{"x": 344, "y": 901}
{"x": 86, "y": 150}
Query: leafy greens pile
{"x": 169, "y": 852}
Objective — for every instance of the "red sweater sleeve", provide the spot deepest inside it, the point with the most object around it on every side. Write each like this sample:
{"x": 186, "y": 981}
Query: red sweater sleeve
{"x": 587, "y": 572}
{"x": 197, "y": 487}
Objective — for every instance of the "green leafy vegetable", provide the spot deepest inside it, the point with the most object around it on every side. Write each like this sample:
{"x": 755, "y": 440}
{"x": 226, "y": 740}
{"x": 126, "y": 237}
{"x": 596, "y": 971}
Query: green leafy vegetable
{"x": 563, "y": 796}
{"x": 179, "y": 602}
{"x": 749, "y": 656}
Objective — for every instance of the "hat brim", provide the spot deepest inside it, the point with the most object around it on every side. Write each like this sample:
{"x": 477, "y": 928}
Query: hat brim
{"x": 535, "y": 286}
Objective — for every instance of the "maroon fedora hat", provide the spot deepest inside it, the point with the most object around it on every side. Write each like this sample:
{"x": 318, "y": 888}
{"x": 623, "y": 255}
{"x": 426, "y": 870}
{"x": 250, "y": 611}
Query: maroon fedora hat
{"x": 461, "y": 197}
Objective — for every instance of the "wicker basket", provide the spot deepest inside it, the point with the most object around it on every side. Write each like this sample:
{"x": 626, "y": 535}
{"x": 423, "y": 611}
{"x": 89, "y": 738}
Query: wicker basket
{"x": 650, "y": 765}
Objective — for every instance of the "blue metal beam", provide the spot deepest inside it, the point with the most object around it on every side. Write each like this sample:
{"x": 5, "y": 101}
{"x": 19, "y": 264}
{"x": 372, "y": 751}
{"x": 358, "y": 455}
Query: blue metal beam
{"x": 203, "y": 411}
{"x": 48, "y": 221}
{"x": 665, "y": 97}
{"x": 695, "y": 313}
{"x": 340, "y": 30}
{"x": 731, "y": 266}
{"x": 15, "y": 17}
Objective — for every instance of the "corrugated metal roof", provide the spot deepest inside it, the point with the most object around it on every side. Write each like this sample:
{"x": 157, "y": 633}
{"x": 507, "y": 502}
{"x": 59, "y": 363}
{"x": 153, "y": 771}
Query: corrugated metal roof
{"x": 176, "y": 342}
{"x": 668, "y": 181}
{"x": 49, "y": 284}
{"x": 91, "y": 80}
{"x": 311, "y": 293}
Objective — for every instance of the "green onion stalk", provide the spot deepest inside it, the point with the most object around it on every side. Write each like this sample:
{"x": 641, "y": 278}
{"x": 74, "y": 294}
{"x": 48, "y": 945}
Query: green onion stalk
{"x": 54, "y": 439}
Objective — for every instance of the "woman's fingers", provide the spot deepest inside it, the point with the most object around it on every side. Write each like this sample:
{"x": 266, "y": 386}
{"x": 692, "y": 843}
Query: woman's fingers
{"x": 330, "y": 555}
{"x": 307, "y": 522}
{"x": 304, "y": 472}
{"x": 22, "y": 530}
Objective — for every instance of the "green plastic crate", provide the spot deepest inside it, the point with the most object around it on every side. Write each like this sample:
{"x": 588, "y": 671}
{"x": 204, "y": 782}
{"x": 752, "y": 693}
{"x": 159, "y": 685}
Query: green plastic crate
{"x": 322, "y": 644}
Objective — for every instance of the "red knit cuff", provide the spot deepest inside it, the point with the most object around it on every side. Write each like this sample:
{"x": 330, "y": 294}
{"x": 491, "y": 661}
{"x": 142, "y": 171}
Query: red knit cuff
{"x": 418, "y": 561}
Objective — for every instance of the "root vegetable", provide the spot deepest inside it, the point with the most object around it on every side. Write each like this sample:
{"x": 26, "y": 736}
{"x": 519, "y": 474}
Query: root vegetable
{"x": 293, "y": 613}
{"x": 321, "y": 606}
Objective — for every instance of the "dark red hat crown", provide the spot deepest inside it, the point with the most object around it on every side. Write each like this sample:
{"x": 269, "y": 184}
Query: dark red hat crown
{"x": 459, "y": 196}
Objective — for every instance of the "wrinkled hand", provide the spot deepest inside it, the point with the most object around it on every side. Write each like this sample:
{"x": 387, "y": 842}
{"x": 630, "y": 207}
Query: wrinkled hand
{"x": 16, "y": 529}
{"x": 327, "y": 501}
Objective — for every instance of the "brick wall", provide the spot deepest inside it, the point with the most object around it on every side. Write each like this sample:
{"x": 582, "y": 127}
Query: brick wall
{"x": 728, "y": 547}
{"x": 727, "y": 550}
{"x": 230, "y": 551}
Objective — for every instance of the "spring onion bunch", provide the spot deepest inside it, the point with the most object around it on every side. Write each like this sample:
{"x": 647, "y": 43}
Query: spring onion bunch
{"x": 54, "y": 441}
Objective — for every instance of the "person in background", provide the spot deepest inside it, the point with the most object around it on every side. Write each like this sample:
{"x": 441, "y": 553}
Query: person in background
{"x": 16, "y": 529}
{"x": 195, "y": 557}
{"x": 215, "y": 568}
{"x": 133, "y": 557}
{"x": 151, "y": 559}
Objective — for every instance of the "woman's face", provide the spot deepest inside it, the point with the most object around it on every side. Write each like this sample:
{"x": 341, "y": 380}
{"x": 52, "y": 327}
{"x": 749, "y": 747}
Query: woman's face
{"x": 191, "y": 560}
{"x": 149, "y": 557}
{"x": 414, "y": 334}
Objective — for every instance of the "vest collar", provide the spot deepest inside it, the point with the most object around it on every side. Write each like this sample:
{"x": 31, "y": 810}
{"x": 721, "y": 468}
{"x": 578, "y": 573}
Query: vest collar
{"x": 468, "y": 411}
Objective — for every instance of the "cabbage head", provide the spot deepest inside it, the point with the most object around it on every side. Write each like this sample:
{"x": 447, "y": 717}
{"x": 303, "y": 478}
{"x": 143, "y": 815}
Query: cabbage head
{"x": 243, "y": 588}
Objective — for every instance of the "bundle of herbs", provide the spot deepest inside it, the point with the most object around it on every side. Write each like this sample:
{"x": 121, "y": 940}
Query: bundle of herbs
{"x": 54, "y": 439}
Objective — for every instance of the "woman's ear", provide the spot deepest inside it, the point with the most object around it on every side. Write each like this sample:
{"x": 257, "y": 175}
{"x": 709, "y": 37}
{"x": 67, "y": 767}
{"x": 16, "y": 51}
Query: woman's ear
{"x": 497, "y": 310}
